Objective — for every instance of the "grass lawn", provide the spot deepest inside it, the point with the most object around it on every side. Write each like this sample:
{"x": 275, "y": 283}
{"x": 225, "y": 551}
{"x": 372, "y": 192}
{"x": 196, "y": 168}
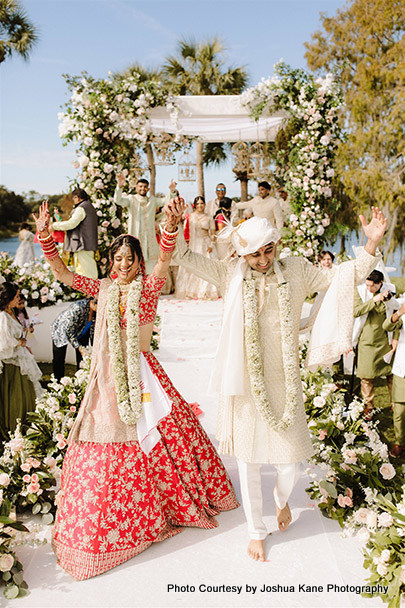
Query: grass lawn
{"x": 46, "y": 369}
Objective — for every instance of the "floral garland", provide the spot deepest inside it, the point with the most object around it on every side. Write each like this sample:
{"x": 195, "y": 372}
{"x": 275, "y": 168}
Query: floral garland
{"x": 128, "y": 389}
{"x": 254, "y": 358}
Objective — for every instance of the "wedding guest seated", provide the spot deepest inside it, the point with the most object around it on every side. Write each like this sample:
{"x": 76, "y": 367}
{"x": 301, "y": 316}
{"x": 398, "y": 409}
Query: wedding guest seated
{"x": 74, "y": 326}
{"x": 19, "y": 373}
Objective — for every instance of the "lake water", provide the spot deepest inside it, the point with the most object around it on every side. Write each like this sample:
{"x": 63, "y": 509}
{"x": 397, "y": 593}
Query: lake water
{"x": 10, "y": 246}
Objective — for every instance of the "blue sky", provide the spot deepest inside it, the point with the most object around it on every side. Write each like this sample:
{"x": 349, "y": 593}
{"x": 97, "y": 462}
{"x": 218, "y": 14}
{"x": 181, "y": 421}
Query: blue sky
{"x": 108, "y": 35}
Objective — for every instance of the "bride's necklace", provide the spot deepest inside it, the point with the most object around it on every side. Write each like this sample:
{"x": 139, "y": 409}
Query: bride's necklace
{"x": 123, "y": 297}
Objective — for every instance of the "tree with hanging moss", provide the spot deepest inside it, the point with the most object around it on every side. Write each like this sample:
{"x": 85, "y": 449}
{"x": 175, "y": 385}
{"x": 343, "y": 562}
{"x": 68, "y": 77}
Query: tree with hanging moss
{"x": 17, "y": 34}
{"x": 364, "y": 45}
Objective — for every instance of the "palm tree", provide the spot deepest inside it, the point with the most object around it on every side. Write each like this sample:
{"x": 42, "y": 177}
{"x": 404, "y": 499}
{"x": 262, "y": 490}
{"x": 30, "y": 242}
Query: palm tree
{"x": 145, "y": 75}
{"x": 198, "y": 69}
{"x": 17, "y": 33}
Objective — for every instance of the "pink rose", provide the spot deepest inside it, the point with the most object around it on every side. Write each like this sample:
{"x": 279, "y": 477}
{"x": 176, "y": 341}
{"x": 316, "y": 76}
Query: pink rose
{"x": 72, "y": 398}
{"x": 34, "y": 478}
{"x": 348, "y": 501}
{"x": 26, "y": 467}
{"x": 72, "y": 408}
{"x": 322, "y": 434}
{"x": 341, "y": 500}
{"x": 27, "y": 478}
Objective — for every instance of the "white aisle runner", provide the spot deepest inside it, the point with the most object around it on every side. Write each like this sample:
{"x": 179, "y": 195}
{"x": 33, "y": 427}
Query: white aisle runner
{"x": 210, "y": 567}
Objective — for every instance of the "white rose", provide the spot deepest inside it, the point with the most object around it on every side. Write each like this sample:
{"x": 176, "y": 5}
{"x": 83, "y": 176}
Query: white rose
{"x": 319, "y": 401}
{"x": 360, "y": 516}
{"x": 4, "y": 479}
{"x": 385, "y": 555}
{"x": 387, "y": 470}
{"x": 382, "y": 569}
{"x": 363, "y": 535}
{"x": 6, "y": 562}
{"x": 385, "y": 520}
{"x": 35, "y": 295}
{"x": 371, "y": 520}
{"x": 16, "y": 445}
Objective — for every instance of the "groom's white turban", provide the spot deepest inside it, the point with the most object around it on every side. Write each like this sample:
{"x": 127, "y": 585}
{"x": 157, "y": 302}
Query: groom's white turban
{"x": 252, "y": 234}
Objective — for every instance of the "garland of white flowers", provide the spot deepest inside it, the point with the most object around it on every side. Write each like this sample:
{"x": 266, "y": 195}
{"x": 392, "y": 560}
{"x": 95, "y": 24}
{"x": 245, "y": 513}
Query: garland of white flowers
{"x": 254, "y": 356}
{"x": 128, "y": 389}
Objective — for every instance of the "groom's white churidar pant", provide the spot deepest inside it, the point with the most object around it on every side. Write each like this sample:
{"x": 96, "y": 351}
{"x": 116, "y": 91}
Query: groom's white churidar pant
{"x": 251, "y": 490}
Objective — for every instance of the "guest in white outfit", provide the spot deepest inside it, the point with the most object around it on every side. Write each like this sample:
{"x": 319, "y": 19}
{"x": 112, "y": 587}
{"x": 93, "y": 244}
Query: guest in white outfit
{"x": 25, "y": 252}
{"x": 265, "y": 205}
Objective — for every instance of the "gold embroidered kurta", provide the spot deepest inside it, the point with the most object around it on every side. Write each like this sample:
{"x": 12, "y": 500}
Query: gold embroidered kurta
{"x": 253, "y": 440}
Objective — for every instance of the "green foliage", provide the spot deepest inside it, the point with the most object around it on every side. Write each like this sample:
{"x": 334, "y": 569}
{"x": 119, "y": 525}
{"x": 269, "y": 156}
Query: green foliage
{"x": 198, "y": 68}
{"x": 13, "y": 208}
{"x": 364, "y": 45}
{"x": 17, "y": 34}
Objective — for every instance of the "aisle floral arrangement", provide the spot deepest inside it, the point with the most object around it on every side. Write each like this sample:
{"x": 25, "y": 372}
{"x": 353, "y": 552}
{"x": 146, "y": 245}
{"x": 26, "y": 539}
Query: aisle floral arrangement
{"x": 305, "y": 163}
{"x": 30, "y": 468}
{"x": 361, "y": 488}
{"x": 36, "y": 282}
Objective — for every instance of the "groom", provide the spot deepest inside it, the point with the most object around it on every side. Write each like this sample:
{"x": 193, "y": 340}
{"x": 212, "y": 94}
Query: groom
{"x": 261, "y": 415}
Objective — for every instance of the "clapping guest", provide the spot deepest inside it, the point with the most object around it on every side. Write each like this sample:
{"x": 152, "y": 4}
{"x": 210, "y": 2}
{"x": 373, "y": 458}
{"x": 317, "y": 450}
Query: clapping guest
{"x": 200, "y": 229}
{"x": 19, "y": 373}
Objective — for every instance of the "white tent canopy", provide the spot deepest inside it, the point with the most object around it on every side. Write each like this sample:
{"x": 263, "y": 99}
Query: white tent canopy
{"x": 215, "y": 118}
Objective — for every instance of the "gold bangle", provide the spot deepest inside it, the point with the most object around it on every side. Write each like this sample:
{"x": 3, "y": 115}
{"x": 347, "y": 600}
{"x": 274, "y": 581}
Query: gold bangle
{"x": 45, "y": 239}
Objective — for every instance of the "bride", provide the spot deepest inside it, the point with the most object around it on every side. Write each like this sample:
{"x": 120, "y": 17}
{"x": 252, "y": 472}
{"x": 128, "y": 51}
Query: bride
{"x": 139, "y": 466}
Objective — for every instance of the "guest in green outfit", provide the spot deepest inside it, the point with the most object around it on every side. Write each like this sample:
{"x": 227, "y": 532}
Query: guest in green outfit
{"x": 19, "y": 373}
{"x": 396, "y": 324}
{"x": 370, "y": 309}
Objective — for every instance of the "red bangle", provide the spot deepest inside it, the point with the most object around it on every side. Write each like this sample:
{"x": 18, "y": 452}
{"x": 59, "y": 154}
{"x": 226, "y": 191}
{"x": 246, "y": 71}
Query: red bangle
{"x": 49, "y": 248}
{"x": 168, "y": 241}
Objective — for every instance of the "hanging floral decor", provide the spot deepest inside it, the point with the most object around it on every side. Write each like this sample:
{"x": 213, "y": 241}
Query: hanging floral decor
{"x": 304, "y": 163}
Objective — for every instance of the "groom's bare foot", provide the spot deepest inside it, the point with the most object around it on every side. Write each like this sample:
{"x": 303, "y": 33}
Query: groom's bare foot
{"x": 283, "y": 517}
{"x": 256, "y": 550}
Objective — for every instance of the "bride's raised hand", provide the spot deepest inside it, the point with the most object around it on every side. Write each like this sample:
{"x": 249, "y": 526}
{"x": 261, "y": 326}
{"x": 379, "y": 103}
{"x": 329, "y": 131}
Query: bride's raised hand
{"x": 42, "y": 220}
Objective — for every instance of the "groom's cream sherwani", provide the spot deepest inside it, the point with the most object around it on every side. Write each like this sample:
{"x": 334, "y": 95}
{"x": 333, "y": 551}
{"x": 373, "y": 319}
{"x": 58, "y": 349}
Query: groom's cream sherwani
{"x": 253, "y": 440}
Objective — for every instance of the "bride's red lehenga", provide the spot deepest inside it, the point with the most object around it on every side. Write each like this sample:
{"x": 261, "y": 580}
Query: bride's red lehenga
{"x": 115, "y": 501}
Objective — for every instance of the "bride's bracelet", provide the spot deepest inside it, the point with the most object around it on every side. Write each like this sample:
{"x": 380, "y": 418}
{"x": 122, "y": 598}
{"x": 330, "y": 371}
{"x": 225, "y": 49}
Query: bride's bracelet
{"x": 168, "y": 240}
{"x": 49, "y": 247}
